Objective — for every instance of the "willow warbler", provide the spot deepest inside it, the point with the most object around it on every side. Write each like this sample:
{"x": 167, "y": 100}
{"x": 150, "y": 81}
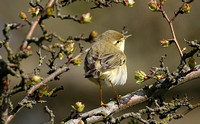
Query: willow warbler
{"x": 105, "y": 62}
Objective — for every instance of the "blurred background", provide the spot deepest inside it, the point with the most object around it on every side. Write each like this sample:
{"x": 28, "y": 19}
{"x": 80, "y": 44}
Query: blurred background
{"x": 143, "y": 51}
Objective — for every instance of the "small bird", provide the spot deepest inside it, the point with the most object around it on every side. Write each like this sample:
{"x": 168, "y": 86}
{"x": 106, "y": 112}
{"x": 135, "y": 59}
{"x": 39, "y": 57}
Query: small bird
{"x": 105, "y": 62}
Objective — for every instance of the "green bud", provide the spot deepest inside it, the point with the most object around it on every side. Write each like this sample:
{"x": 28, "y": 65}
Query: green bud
{"x": 192, "y": 62}
{"x": 79, "y": 106}
{"x": 154, "y": 6}
{"x": 93, "y": 35}
{"x": 186, "y": 8}
{"x": 69, "y": 48}
{"x": 86, "y": 18}
{"x": 158, "y": 76}
{"x": 36, "y": 78}
{"x": 34, "y": 11}
{"x": 129, "y": 3}
{"x": 191, "y": 106}
{"x": 165, "y": 43}
{"x": 140, "y": 77}
{"x": 77, "y": 61}
{"x": 22, "y": 15}
{"x": 29, "y": 105}
{"x": 43, "y": 90}
{"x": 49, "y": 11}
{"x": 61, "y": 55}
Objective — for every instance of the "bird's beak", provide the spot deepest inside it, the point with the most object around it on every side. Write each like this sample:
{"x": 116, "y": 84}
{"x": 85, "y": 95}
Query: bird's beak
{"x": 127, "y": 36}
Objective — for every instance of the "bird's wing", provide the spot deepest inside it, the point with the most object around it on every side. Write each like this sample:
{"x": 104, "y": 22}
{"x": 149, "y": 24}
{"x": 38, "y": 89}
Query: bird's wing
{"x": 96, "y": 63}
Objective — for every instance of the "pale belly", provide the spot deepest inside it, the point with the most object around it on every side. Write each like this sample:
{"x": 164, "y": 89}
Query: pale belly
{"x": 116, "y": 76}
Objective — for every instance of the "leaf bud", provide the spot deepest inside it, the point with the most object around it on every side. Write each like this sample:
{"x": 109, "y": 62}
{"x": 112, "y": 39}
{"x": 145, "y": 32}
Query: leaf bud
{"x": 34, "y": 11}
{"x": 36, "y": 78}
{"x": 61, "y": 55}
{"x": 192, "y": 62}
{"x": 23, "y": 16}
{"x": 129, "y": 3}
{"x": 93, "y": 35}
{"x": 154, "y": 6}
{"x": 140, "y": 77}
{"x": 79, "y": 106}
{"x": 86, "y": 18}
{"x": 49, "y": 11}
{"x": 186, "y": 8}
{"x": 77, "y": 61}
{"x": 165, "y": 43}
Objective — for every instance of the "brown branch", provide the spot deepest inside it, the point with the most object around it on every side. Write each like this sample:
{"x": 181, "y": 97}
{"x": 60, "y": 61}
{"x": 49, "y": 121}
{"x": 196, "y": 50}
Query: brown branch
{"x": 172, "y": 30}
{"x": 4, "y": 105}
{"x": 35, "y": 23}
{"x": 128, "y": 100}
{"x": 35, "y": 87}
{"x": 4, "y": 90}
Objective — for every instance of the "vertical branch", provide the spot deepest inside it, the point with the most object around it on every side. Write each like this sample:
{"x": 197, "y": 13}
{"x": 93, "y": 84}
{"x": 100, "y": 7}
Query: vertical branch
{"x": 172, "y": 30}
{"x": 174, "y": 38}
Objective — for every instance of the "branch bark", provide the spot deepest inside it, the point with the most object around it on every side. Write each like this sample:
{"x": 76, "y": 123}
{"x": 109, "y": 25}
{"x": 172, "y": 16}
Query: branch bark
{"x": 35, "y": 23}
{"x": 128, "y": 100}
{"x": 35, "y": 87}
{"x": 4, "y": 99}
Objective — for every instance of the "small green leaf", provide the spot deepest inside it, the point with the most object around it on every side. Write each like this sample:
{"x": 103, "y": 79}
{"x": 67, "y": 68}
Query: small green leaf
{"x": 153, "y": 6}
{"x": 86, "y": 18}
{"x": 165, "y": 43}
{"x": 140, "y": 77}
{"x": 79, "y": 106}
{"x": 186, "y": 8}
{"x": 61, "y": 55}
{"x": 77, "y": 61}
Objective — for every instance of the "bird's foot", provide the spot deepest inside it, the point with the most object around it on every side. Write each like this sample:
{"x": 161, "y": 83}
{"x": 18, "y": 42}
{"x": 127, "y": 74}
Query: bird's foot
{"x": 102, "y": 104}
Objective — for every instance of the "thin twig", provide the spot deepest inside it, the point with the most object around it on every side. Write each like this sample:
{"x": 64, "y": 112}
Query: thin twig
{"x": 52, "y": 116}
{"x": 38, "y": 85}
{"x": 172, "y": 30}
{"x": 35, "y": 23}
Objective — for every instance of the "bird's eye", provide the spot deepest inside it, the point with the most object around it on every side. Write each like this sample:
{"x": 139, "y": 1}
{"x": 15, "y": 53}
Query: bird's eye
{"x": 117, "y": 42}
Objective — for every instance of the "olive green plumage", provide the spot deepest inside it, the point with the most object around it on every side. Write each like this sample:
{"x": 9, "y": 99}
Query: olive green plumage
{"x": 105, "y": 62}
